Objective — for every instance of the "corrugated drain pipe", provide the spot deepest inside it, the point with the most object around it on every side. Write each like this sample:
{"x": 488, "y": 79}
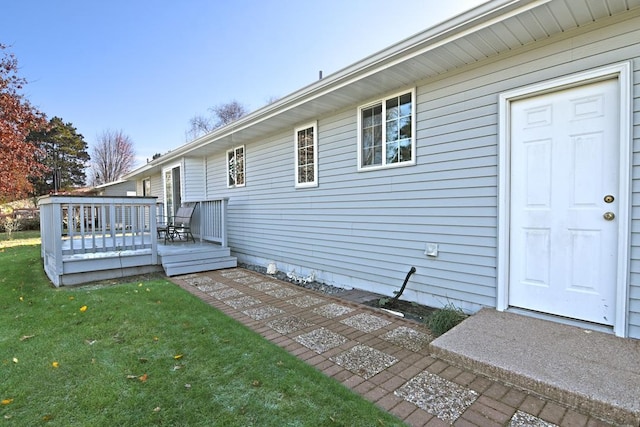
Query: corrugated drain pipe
{"x": 404, "y": 285}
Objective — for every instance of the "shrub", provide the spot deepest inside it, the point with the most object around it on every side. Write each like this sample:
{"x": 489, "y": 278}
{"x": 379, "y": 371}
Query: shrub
{"x": 10, "y": 225}
{"x": 30, "y": 224}
{"x": 444, "y": 319}
{"x": 25, "y": 225}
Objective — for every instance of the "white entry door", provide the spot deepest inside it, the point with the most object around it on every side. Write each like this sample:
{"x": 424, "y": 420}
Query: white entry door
{"x": 563, "y": 202}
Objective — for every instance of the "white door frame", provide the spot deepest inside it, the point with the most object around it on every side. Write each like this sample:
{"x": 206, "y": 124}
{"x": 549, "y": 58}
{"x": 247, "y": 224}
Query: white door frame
{"x": 622, "y": 72}
{"x": 171, "y": 167}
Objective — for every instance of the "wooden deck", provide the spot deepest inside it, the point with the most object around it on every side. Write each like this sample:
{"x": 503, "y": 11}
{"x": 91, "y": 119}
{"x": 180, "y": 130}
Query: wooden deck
{"x": 90, "y": 239}
{"x": 174, "y": 258}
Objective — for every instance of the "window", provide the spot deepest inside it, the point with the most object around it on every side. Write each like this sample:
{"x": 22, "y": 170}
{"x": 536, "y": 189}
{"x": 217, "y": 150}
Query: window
{"x": 306, "y": 146}
{"x": 385, "y": 132}
{"x": 146, "y": 187}
{"x": 235, "y": 167}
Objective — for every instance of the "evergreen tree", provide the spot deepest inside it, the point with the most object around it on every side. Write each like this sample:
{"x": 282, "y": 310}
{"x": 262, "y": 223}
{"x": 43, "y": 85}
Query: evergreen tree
{"x": 65, "y": 156}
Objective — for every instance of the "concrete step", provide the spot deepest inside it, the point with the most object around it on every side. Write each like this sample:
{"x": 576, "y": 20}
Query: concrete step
{"x": 198, "y": 266}
{"x": 591, "y": 371}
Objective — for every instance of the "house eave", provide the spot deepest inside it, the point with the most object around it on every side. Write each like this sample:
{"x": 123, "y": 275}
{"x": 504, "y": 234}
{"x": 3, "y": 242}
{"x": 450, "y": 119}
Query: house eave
{"x": 464, "y": 39}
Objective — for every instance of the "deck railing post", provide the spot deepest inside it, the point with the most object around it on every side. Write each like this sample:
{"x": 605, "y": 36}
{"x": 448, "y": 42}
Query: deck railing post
{"x": 55, "y": 233}
{"x": 223, "y": 222}
{"x": 153, "y": 233}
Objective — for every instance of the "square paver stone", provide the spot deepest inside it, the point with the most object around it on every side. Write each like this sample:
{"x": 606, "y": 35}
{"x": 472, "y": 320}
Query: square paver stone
{"x": 282, "y": 292}
{"x": 364, "y": 360}
{"x": 196, "y": 280}
{"x": 286, "y": 325}
{"x": 233, "y": 274}
{"x": 522, "y": 419}
{"x": 264, "y": 286}
{"x": 215, "y": 286}
{"x": 261, "y": 313}
{"x": 438, "y": 396}
{"x": 408, "y": 338}
{"x": 243, "y": 302}
{"x": 332, "y": 310}
{"x": 226, "y": 293}
{"x": 306, "y": 301}
{"x": 365, "y": 322}
{"x": 321, "y": 340}
{"x": 247, "y": 280}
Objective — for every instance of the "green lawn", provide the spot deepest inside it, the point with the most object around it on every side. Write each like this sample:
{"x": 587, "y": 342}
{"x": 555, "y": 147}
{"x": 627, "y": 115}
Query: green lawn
{"x": 147, "y": 353}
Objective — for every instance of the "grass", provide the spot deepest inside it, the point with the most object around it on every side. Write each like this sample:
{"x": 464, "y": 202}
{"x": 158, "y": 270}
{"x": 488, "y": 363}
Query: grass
{"x": 147, "y": 353}
{"x": 19, "y": 238}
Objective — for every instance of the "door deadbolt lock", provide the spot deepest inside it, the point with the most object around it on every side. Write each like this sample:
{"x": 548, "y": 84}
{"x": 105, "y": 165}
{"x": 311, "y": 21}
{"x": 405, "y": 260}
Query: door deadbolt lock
{"x": 609, "y": 216}
{"x": 609, "y": 198}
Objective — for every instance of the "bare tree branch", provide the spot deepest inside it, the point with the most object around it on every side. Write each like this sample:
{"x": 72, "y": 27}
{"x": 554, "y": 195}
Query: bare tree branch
{"x": 227, "y": 113}
{"x": 221, "y": 115}
{"x": 112, "y": 157}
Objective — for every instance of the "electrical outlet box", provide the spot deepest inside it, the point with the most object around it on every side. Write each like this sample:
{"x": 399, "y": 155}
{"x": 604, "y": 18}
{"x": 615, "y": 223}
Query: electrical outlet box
{"x": 431, "y": 250}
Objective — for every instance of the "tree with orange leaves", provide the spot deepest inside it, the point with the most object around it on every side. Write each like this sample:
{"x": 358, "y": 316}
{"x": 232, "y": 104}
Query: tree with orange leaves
{"x": 19, "y": 158}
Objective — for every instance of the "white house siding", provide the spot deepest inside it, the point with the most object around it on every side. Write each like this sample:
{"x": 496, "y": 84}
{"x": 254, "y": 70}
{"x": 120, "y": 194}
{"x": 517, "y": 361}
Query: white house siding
{"x": 461, "y": 112}
{"x": 193, "y": 179}
{"x": 157, "y": 188}
{"x": 118, "y": 190}
{"x": 366, "y": 229}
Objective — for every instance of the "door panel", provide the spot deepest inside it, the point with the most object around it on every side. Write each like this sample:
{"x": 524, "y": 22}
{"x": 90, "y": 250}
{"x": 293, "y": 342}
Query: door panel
{"x": 564, "y": 160}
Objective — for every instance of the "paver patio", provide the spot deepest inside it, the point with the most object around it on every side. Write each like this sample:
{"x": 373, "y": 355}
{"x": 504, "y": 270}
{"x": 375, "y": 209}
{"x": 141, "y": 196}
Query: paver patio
{"x": 382, "y": 357}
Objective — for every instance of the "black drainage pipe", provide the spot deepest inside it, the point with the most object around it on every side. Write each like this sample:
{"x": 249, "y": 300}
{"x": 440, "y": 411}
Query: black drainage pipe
{"x": 404, "y": 285}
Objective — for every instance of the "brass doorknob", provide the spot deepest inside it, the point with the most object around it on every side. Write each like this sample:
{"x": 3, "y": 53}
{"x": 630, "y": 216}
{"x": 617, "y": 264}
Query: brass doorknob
{"x": 609, "y": 216}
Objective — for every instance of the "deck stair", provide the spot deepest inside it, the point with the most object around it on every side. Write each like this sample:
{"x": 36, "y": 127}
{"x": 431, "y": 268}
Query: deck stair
{"x": 185, "y": 258}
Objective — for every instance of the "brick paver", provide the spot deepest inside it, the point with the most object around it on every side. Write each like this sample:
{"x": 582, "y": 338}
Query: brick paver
{"x": 331, "y": 333}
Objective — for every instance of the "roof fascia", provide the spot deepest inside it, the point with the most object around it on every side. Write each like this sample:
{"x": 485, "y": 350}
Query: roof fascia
{"x": 473, "y": 20}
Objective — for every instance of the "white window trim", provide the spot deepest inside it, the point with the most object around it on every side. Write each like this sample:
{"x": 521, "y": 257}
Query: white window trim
{"x": 384, "y": 164}
{"x": 148, "y": 178}
{"x": 244, "y": 160}
{"x": 313, "y": 125}
{"x": 171, "y": 167}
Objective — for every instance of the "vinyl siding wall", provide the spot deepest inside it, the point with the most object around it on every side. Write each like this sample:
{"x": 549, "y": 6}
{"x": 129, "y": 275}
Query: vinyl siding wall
{"x": 193, "y": 179}
{"x": 157, "y": 188}
{"x": 366, "y": 229}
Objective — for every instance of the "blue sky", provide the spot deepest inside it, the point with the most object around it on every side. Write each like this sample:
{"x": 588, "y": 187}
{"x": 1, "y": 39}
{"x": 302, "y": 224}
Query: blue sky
{"x": 146, "y": 67}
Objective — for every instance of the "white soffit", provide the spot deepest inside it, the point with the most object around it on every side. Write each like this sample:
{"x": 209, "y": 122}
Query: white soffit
{"x": 481, "y": 33}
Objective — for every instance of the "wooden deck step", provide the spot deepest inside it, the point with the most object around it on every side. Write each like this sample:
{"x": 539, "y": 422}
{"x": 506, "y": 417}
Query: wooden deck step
{"x": 176, "y": 269}
{"x": 195, "y": 258}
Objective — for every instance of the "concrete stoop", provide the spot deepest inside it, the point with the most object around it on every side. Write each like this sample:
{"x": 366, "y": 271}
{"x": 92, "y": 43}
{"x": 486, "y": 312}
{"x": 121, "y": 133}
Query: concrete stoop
{"x": 593, "y": 372}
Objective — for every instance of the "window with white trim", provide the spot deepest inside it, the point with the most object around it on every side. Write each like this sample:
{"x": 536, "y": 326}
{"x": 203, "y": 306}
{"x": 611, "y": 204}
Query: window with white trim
{"x": 306, "y": 146}
{"x": 235, "y": 167}
{"x": 385, "y": 132}
{"x": 146, "y": 187}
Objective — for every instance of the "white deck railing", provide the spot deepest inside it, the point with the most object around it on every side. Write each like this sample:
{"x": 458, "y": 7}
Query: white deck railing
{"x": 209, "y": 221}
{"x": 75, "y": 229}
{"x": 72, "y": 225}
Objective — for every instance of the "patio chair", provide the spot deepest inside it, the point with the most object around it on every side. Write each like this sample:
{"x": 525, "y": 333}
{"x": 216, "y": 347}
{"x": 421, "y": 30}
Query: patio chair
{"x": 180, "y": 225}
{"x": 162, "y": 227}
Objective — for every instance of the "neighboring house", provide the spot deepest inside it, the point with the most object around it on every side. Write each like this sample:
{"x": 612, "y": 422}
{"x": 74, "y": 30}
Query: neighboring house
{"x": 496, "y": 153}
{"x": 116, "y": 189}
